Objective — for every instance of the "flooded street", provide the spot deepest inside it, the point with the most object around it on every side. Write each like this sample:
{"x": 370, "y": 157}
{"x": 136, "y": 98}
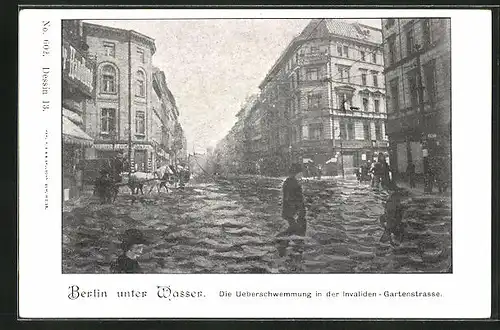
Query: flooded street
{"x": 229, "y": 226}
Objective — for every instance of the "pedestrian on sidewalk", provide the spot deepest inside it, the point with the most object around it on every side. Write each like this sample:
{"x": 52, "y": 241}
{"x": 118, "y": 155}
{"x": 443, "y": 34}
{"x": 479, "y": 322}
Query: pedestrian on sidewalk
{"x": 410, "y": 172}
{"x": 133, "y": 243}
{"x": 293, "y": 210}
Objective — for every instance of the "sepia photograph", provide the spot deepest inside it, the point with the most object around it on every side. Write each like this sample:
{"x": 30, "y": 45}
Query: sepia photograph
{"x": 256, "y": 146}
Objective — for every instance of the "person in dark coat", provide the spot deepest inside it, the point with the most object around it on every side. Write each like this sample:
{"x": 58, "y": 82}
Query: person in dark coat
{"x": 293, "y": 210}
{"x": 410, "y": 172}
{"x": 133, "y": 242}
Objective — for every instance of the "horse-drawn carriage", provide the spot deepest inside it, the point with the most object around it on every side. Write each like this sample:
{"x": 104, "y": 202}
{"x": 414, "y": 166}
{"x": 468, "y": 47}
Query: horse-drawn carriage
{"x": 112, "y": 178}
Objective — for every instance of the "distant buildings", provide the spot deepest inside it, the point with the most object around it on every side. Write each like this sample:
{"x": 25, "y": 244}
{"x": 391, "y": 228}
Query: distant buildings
{"x": 417, "y": 70}
{"x": 322, "y": 102}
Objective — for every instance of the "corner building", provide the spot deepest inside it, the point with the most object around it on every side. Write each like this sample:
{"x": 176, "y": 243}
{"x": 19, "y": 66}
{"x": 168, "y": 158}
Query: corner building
{"x": 418, "y": 77}
{"x": 331, "y": 66}
{"x": 122, "y": 107}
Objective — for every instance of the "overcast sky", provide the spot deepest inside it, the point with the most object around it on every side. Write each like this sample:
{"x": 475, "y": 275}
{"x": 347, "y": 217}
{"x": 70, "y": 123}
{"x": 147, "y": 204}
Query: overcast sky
{"x": 211, "y": 66}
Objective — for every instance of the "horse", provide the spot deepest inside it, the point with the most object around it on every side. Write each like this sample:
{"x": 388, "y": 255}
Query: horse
{"x": 136, "y": 180}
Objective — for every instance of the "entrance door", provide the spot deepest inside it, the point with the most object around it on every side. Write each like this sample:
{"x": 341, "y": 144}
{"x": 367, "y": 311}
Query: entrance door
{"x": 141, "y": 161}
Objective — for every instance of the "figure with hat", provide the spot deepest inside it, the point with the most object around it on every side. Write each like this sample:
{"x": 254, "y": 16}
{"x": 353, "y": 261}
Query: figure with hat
{"x": 293, "y": 210}
{"x": 104, "y": 186}
{"x": 132, "y": 245}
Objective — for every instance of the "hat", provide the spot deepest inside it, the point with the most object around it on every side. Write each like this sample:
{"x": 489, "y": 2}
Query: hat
{"x": 131, "y": 237}
{"x": 295, "y": 169}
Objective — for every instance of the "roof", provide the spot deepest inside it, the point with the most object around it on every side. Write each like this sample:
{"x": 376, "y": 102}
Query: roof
{"x": 353, "y": 30}
{"x": 324, "y": 28}
{"x": 139, "y": 36}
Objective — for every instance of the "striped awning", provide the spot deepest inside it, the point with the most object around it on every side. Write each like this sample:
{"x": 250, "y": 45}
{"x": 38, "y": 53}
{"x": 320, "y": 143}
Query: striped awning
{"x": 73, "y": 134}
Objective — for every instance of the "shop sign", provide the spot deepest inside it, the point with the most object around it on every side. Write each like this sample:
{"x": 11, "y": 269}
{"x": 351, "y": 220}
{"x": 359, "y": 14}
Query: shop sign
{"x": 363, "y": 157}
{"x": 110, "y": 146}
{"x": 77, "y": 68}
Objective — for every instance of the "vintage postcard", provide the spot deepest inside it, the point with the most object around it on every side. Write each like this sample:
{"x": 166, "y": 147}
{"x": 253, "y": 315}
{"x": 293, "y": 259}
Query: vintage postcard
{"x": 254, "y": 163}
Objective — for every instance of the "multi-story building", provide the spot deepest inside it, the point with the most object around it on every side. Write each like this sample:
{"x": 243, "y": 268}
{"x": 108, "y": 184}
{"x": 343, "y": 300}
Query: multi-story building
{"x": 323, "y": 101}
{"x": 417, "y": 71}
{"x": 167, "y": 115}
{"x": 77, "y": 86}
{"x": 120, "y": 116}
{"x": 254, "y": 148}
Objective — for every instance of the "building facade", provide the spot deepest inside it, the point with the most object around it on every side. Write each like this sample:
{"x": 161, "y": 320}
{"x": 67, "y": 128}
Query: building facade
{"x": 78, "y": 86}
{"x": 120, "y": 116}
{"x": 323, "y": 101}
{"x": 418, "y": 79}
{"x": 166, "y": 120}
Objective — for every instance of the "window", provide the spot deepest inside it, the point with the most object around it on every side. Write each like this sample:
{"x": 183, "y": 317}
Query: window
{"x": 109, "y": 49}
{"x": 344, "y": 73}
{"x": 430, "y": 81}
{"x": 389, "y": 22}
{"x": 392, "y": 49}
{"x": 426, "y": 28}
{"x": 374, "y": 57}
{"x": 343, "y": 131}
{"x": 314, "y": 49}
{"x": 363, "y": 56}
{"x": 312, "y": 74}
{"x": 363, "y": 79}
{"x": 410, "y": 42}
{"x": 108, "y": 79}
{"x": 375, "y": 79}
{"x": 140, "y": 53}
{"x": 108, "y": 119}
{"x": 378, "y": 131}
{"x": 377, "y": 105}
{"x": 394, "y": 95}
{"x": 313, "y": 100}
{"x": 350, "y": 131}
{"x": 344, "y": 100}
{"x": 315, "y": 131}
{"x": 140, "y": 84}
{"x": 346, "y": 51}
{"x": 365, "y": 104}
{"x": 140, "y": 127}
{"x": 366, "y": 131}
{"x": 412, "y": 85}
{"x": 339, "y": 50}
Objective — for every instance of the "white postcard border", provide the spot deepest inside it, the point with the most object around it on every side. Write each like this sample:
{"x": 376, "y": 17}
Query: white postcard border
{"x": 43, "y": 289}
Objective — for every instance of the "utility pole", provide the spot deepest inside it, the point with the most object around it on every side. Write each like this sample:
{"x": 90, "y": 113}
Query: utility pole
{"x": 129, "y": 103}
{"x": 422, "y": 117}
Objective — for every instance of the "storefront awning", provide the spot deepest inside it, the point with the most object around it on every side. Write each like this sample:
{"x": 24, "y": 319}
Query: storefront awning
{"x": 72, "y": 116}
{"x": 73, "y": 134}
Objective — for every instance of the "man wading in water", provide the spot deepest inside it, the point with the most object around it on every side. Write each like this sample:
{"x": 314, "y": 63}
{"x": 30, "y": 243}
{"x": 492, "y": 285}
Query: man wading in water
{"x": 294, "y": 210}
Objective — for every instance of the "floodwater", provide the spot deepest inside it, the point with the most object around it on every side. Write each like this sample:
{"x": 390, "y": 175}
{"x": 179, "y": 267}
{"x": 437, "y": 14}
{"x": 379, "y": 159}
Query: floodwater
{"x": 229, "y": 226}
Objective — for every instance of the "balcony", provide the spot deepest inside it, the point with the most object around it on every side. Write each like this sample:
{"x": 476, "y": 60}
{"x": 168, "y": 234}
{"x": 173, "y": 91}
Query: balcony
{"x": 313, "y": 58}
